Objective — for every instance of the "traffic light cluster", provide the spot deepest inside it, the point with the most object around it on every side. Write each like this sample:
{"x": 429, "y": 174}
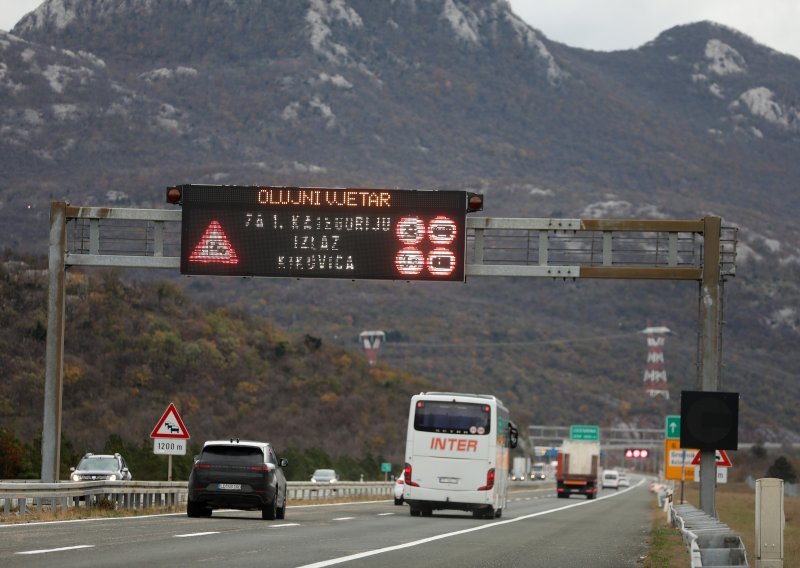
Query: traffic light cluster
{"x": 637, "y": 453}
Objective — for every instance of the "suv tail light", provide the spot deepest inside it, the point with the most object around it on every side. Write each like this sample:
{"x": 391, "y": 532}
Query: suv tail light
{"x": 199, "y": 465}
{"x": 489, "y": 481}
{"x": 407, "y": 476}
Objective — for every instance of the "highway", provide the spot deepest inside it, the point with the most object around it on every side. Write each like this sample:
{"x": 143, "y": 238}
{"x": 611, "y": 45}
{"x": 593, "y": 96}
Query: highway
{"x": 536, "y": 529}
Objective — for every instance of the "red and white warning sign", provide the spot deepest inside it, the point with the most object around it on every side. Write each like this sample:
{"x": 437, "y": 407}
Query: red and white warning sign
{"x": 722, "y": 459}
{"x": 170, "y": 434}
{"x": 170, "y": 425}
{"x": 214, "y": 247}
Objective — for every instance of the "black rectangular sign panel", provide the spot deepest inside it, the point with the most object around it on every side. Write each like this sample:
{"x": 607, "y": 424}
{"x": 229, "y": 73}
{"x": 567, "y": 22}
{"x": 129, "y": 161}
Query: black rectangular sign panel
{"x": 311, "y": 232}
{"x": 710, "y": 420}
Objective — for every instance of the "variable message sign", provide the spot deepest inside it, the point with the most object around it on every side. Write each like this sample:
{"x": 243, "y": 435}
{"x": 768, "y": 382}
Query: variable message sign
{"x": 387, "y": 234}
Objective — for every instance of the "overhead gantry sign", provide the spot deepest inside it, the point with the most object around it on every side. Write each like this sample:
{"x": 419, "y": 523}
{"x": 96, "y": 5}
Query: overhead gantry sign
{"x": 376, "y": 234}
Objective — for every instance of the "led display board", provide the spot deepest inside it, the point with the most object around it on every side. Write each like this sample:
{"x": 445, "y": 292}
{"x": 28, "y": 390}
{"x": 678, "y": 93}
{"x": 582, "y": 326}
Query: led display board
{"x": 308, "y": 232}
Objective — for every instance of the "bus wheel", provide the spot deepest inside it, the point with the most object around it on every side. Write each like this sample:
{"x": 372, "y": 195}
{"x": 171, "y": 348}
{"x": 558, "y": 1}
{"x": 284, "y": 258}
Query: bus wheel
{"x": 415, "y": 512}
{"x": 427, "y": 512}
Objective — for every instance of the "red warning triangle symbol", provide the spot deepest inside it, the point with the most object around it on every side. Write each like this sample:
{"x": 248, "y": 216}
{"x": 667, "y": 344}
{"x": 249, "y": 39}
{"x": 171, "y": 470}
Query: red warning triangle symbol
{"x": 170, "y": 425}
{"x": 214, "y": 247}
{"x": 722, "y": 459}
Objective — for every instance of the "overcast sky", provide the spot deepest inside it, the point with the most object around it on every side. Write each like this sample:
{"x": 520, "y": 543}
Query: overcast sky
{"x": 615, "y": 24}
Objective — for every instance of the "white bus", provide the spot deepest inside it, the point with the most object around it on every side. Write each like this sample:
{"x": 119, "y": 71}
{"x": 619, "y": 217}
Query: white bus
{"x": 457, "y": 454}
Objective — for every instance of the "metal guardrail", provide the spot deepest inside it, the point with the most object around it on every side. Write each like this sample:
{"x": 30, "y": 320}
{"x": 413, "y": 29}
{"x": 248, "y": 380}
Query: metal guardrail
{"x": 710, "y": 541}
{"x": 23, "y": 497}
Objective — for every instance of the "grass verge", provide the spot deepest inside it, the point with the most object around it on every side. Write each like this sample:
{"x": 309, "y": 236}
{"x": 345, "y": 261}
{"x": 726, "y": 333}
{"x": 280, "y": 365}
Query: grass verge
{"x": 667, "y": 549}
{"x": 736, "y": 506}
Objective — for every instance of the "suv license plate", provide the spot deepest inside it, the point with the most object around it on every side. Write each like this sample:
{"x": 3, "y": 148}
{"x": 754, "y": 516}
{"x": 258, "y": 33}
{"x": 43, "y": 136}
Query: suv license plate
{"x": 453, "y": 480}
{"x": 229, "y": 486}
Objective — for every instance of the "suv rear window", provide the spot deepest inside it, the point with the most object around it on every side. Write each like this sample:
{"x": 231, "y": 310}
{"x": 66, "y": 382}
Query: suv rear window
{"x": 233, "y": 455}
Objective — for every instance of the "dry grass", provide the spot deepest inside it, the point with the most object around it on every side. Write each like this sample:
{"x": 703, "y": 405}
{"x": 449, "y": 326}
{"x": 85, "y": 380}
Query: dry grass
{"x": 667, "y": 549}
{"x": 75, "y": 513}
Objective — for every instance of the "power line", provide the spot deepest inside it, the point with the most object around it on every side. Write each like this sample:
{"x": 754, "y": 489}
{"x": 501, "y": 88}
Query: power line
{"x": 442, "y": 344}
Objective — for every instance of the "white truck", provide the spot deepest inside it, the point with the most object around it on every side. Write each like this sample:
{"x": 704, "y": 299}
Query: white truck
{"x": 519, "y": 469}
{"x": 577, "y": 468}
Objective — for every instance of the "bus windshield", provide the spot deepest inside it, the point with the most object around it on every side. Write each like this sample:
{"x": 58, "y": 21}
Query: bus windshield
{"x": 447, "y": 417}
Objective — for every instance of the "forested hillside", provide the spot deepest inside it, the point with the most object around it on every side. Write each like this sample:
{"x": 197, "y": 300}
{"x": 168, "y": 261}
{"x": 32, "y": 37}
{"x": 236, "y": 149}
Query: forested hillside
{"x": 131, "y": 349}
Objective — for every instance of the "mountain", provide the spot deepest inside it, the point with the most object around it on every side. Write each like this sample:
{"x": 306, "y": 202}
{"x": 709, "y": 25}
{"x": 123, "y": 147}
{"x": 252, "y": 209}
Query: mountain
{"x": 107, "y": 103}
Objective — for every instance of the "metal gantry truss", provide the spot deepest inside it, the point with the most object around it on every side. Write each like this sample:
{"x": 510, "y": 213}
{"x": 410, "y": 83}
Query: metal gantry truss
{"x": 616, "y": 438}
{"x": 550, "y": 248}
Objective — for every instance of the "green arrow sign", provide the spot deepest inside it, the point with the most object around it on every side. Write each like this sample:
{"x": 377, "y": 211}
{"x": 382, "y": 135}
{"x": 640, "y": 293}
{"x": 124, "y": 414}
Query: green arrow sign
{"x": 673, "y": 426}
{"x": 584, "y": 432}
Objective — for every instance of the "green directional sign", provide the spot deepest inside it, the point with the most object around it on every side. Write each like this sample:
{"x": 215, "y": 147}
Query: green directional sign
{"x": 386, "y": 467}
{"x": 673, "y": 426}
{"x": 584, "y": 432}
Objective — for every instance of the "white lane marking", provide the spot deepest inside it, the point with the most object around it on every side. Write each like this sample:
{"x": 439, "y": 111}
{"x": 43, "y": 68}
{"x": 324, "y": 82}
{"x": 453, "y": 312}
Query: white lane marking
{"x": 284, "y": 525}
{"x": 385, "y": 514}
{"x": 368, "y": 553}
{"x": 340, "y": 504}
{"x": 343, "y": 519}
{"x": 56, "y": 549}
{"x": 195, "y": 534}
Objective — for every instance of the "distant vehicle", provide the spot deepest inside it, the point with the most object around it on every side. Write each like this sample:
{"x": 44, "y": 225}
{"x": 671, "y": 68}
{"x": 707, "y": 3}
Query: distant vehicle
{"x": 519, "y": 469}
{"x": 623, "y": 480}
{"x": 576, "y": 471}
{"x": 537, "y": 472}
{"x": 611, "y": 479}
{"x": 399, "y": 485}
{"x": 324, "y": 476}
{"x": 236, "y": 474}
{"x": 457, "y": 454}
{"x": 101, "y": 467}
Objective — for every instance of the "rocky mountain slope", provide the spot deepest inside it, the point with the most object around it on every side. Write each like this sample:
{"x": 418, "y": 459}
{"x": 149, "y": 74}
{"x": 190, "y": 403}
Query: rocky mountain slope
{"x": 107, "y": 103}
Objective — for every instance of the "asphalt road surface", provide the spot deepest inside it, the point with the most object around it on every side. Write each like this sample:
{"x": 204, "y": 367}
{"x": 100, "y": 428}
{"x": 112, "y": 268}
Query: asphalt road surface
{"x": 536, "y": 529}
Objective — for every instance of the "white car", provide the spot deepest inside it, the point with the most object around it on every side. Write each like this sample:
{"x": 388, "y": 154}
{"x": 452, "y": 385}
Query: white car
{"x": 623, "y": 480}
{"x": 610, "y": 478}
{"x": 399, "y": 485}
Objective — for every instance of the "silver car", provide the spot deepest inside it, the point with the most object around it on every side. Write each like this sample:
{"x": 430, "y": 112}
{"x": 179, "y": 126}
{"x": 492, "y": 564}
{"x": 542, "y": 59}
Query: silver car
{"x": 324, "y": 476}
{"x": 101, "y": 467}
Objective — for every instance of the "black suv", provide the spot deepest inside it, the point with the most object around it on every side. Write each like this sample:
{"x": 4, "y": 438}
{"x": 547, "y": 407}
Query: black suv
{"x": 236, "y": 474}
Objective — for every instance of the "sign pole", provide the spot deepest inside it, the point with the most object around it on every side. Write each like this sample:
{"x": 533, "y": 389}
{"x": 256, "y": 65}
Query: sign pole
{"x": 169, "y": 466}
{"x": 710, "y": 347}
{"x": 683, "y": 472}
